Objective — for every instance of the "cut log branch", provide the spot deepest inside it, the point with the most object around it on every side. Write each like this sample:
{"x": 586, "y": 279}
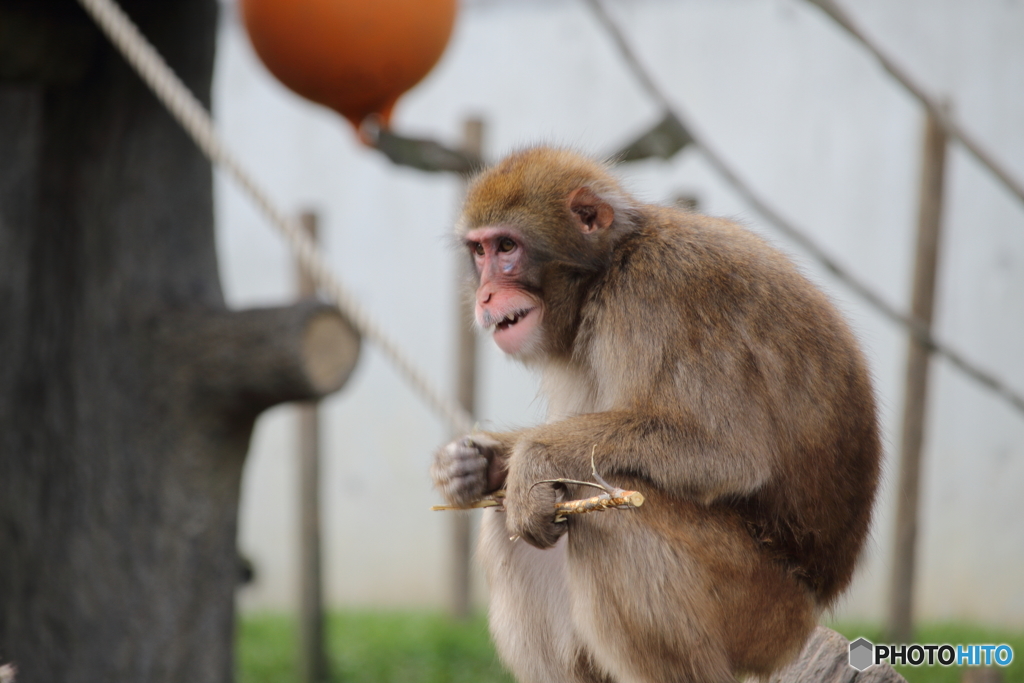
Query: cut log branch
{"x": 260, "y": 357}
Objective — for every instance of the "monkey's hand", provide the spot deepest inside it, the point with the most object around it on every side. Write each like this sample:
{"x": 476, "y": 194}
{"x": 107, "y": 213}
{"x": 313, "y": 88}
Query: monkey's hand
{"x": 530, "y": 506}
{"x": 469, "y": 468}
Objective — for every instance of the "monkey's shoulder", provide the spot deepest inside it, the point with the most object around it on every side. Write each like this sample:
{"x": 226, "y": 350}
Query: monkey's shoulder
{"x": 716, "y": 279}
{"x": 693, "y": 253}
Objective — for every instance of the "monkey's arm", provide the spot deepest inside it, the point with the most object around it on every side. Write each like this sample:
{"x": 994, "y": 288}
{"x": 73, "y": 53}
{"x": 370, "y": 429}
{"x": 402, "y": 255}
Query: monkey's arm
{"x": 472, "y": 466}
{"x": 722, "y": 375}
{"x": 674, "y": 452}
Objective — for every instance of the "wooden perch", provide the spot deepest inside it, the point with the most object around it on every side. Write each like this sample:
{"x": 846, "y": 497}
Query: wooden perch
{"x": 826, "y": 659}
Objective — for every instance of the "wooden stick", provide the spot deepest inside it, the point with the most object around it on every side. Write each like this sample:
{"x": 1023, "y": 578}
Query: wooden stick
{"x": 621, "y": 499}
{"x": 612, "y": 498}
{"x": 488, "y": 502}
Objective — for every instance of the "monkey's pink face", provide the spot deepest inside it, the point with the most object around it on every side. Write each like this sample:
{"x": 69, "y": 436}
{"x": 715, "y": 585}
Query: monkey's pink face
{"x": 502, "y": 300}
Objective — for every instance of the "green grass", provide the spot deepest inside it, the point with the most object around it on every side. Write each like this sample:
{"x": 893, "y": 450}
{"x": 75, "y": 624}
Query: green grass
{"x": 425, "y": 647}
{"x": 373, "y": 647}
{"x": 954, "y": 634}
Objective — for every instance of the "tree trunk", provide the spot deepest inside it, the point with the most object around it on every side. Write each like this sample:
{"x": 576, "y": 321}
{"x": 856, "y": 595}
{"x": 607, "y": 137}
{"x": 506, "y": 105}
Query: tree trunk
{"x": 127, "y": 391}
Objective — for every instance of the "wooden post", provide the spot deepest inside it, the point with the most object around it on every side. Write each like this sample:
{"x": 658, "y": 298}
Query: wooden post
{"x": 465, "y": 392}
{"x": 312, "y": 658}
{"x": 900, "y": 624}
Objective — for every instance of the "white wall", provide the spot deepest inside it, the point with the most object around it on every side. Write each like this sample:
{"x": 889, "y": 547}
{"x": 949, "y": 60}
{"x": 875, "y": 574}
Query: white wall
{"x": 803, "y": 114}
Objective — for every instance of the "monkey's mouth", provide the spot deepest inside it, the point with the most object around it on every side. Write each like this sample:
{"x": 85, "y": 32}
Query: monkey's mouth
{"x": 511, "y": 319}
{"x": 514, "y": 332}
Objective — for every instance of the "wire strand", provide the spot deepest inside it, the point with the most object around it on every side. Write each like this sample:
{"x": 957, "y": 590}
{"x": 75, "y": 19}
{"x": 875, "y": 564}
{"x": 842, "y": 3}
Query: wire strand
{"x": 931, "y": 104}
{"x": 197, "y": 122}
{"x": 918, "y": 330}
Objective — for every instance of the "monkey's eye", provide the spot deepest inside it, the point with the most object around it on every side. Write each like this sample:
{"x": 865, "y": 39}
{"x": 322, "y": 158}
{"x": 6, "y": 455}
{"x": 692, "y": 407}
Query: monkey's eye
{"x": 506, "y": 244}
{"x": 478, "y": 249}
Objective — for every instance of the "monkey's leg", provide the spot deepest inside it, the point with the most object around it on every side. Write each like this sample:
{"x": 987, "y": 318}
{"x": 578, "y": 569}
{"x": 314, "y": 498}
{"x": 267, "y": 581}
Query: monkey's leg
{"x": 530, "y": 608}
{"x": 678, "y": 591}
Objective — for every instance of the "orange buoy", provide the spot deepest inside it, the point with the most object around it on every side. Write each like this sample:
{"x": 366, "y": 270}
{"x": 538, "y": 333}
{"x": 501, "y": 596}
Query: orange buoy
{"x": 355, "y": 56}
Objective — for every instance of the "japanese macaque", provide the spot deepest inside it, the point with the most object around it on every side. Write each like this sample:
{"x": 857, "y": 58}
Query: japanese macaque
{"x": 693, "y": 363}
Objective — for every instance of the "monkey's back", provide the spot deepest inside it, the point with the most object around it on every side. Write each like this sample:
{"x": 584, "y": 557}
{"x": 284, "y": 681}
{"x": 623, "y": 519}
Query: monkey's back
{"x": 754, "y": 356}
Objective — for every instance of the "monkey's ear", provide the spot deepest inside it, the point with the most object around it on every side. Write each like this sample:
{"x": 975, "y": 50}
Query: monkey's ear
{"x": 591, "y": 212}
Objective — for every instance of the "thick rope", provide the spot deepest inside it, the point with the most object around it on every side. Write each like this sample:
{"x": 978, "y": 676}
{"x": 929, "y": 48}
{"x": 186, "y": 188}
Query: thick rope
{"x": 197, "y": 122}
{"x": 915, "y": 327}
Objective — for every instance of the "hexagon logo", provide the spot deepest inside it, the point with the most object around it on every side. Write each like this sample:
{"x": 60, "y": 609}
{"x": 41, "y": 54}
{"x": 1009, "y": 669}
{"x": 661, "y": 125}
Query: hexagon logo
{"x": 862, "y": 654}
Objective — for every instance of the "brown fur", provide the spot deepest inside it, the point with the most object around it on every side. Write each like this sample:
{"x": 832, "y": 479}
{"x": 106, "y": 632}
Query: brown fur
{"x": 704, "y": 371}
